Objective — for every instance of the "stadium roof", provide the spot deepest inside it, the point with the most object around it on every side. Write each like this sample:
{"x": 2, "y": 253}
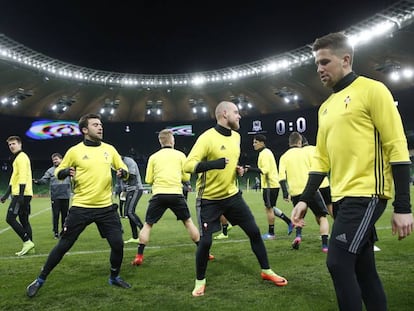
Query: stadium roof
{"x": 38, "y": 82}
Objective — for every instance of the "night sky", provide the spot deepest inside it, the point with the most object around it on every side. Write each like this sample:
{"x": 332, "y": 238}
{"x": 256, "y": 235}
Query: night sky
{"x": 163, "y": 37}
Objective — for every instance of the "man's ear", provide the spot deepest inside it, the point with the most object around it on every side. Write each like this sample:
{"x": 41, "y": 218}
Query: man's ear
{"x": 346, "y": 60}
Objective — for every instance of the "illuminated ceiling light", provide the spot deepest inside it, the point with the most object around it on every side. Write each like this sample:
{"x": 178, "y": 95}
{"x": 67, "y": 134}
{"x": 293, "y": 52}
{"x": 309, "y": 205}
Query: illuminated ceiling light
{"x": 198, "y": 107}
{"x": 109, "y": 108}
{"x": 288, "y": 95}
{"x": 395, "y": 76}
{"x": 62, "y": 105}
{"x": 154, "y": 109}
{"x": 242, "y": 102}
{"x": 199, "y": 80}
{"x": 407, "y": 73}
{"x": 15, "y": 97}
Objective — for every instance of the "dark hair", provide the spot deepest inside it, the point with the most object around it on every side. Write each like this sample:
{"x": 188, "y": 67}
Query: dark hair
{"x": 294, "y": 138}
{"x": 337, "y": 42}
{"x": 260, "y": 137}
{"x": 14, "y": 138}
{"x": 56, "y": 154}
{"x": 83, "y": 121}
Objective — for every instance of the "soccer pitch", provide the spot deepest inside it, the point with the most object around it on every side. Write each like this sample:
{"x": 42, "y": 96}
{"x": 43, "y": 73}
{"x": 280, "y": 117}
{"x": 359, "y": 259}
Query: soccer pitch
{"x": 165, "y": 280}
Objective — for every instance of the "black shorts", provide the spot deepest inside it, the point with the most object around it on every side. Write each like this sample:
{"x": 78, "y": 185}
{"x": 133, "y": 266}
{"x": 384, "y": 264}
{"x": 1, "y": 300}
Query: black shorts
{"x": 270, "y": 196}
{"x": 233, "y": 208}
{"x": 159, "y": 203}
{"x": 317, "y": 204}
{"x": 354, "y": 223}
{"x": 78, "y": 218}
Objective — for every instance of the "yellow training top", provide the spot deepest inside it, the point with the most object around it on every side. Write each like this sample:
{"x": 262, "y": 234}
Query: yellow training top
{"x": 267, "y": 164}
{"x": 215, "y": 184}
{"x": 360, "y": 134}
{"x": 165, "y": 171}
{"x": 92, "y": 184}
{"x": 22, "y": 174}
{"x": 294, "y": 168}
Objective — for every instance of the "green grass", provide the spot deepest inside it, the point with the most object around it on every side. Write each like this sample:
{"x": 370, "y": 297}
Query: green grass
{"x": 165, "y": 280}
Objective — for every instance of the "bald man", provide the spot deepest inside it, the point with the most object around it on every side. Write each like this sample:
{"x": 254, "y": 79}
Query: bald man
{"x": 214, "y": 157}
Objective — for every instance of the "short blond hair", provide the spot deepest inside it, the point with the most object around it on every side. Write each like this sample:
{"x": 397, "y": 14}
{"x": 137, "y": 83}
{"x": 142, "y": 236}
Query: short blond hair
{"x": 165, "y": 137}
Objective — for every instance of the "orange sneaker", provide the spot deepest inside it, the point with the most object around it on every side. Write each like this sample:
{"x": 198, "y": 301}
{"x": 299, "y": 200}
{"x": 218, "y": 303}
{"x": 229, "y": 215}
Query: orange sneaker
{"x": 276, "y": 279}
{"x": 211, "y": 257}
{"x": 139, "y": 258}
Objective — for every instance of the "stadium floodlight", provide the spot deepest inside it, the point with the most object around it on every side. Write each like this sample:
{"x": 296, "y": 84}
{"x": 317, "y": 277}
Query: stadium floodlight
{"x": 14, "y": 97}
{"x": 62, "y": 105}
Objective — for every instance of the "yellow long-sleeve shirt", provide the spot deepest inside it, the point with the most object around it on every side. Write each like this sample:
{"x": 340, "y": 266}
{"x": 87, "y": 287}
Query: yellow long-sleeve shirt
{"x": 22, "y": 174}
{"x": 360, "y": 134}
{"x": 215, "y": 184}
{"x": 165, "y": 171}
{"x": 267, "y": 164}
{"x": 92, "y": 184}
{"x": 294, "y": 168}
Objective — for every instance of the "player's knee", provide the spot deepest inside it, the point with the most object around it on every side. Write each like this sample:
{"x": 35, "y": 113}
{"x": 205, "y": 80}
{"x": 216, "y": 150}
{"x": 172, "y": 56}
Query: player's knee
{"x": 10, "y": 219}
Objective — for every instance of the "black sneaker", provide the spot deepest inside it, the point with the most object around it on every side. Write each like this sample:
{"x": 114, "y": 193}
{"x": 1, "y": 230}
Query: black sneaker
{"x": 33, "y": 288}
{"x": 119, "y": 282}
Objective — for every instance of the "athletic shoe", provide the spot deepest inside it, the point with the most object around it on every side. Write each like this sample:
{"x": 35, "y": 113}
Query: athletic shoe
{"x": 296, "y": 242}
{"x": 211, "y": 257}
{"x": 31, "y": 252}
{"x": 119, "y": 282}
{"x": 290, "y": 228}
{"x": 268, "y": 236}
{"x": 276, "y": 279}
{"x": 33, "y": 288}
{"x": 132, "y": 240}
{"x": 199, "y": 288}
{"x": 56, "y": 235}
{"x": 27, "y": 246}
{"x": 376, "y": 249}
{"x": 139, "y": 259}
{"x": 325, "y": 249}
{"x": 221, "y": 236}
